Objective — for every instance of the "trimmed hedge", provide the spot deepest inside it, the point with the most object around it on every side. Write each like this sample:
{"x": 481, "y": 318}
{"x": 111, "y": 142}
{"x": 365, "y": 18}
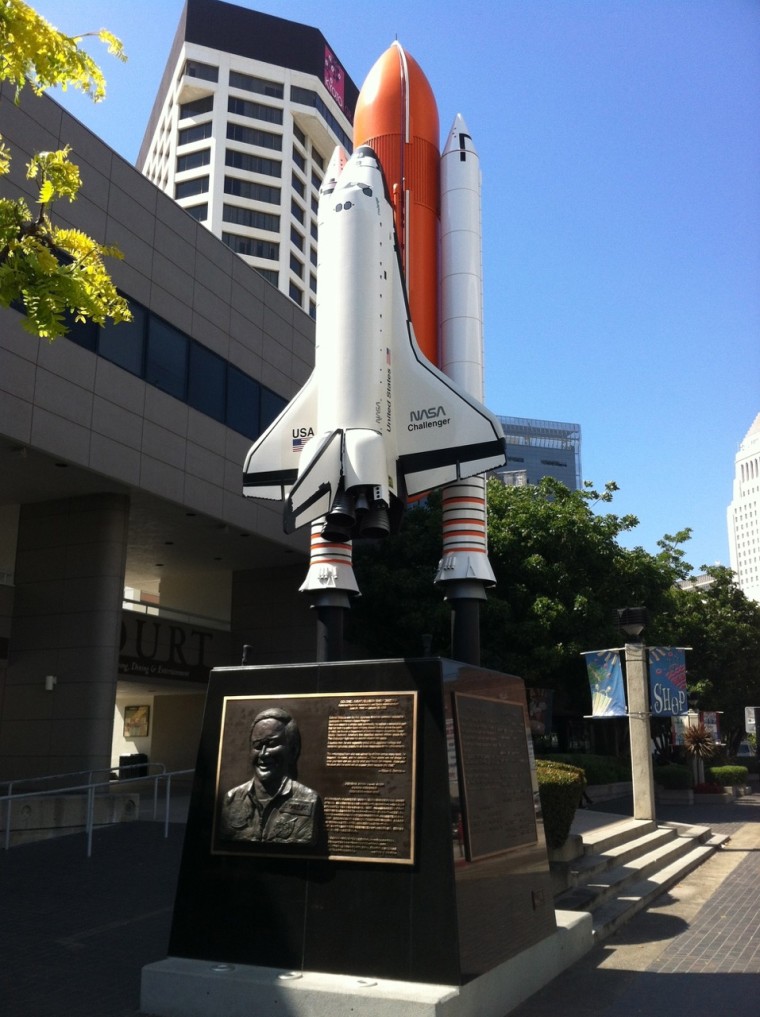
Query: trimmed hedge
{"x": 560, "y": 788}
{"x": 597, "y": 769}
{"x": 728, "y": 776}
{"x": 674, "y": 777}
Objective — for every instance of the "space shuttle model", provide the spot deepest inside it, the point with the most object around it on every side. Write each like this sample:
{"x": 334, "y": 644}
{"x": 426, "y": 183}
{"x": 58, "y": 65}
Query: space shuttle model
{"x": 376, "y": 423}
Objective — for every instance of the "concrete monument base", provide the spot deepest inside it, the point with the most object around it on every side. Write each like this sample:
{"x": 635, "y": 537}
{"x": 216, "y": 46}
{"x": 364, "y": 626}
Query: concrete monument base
{"x": 180, "y": 987}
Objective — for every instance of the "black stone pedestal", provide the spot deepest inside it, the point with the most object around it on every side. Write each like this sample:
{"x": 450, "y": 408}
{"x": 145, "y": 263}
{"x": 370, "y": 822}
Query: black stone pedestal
{"x": 433, "y": 868}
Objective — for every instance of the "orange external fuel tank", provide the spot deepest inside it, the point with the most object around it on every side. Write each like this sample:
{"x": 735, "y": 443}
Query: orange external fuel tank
{"x": 397, "y": 116}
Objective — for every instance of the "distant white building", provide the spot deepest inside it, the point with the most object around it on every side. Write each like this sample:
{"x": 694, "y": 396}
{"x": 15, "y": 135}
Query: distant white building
{"x": 744, "y": 514}
{"x": 246, "y": 118}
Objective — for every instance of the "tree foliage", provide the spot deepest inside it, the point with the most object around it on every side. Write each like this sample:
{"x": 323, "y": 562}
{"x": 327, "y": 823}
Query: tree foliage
{"x": 561, "y": 573}
{"x": 49, "y": 270}
{"x": 722, "y": 627}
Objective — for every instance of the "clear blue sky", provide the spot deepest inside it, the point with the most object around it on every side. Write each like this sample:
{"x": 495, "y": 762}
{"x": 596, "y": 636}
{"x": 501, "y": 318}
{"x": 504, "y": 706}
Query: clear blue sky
{"x": 620, "y": 152}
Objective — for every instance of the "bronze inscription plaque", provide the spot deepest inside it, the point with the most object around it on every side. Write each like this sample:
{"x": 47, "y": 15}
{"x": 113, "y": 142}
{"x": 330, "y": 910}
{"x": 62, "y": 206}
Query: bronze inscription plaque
{"x": 494, "y": 776}
{"x": 318, "y": 775}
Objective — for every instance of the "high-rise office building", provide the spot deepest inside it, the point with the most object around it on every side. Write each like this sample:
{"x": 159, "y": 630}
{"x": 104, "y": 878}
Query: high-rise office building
{"x": 744, "y": 514}
{"x": 247, "y": 115}
{"x": 541, "y": 448}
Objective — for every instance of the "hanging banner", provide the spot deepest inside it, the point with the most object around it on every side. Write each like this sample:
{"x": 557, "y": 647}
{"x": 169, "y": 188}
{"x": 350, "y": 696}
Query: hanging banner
{"x": 667, "y": 681}
{"x": 605, "y": 676}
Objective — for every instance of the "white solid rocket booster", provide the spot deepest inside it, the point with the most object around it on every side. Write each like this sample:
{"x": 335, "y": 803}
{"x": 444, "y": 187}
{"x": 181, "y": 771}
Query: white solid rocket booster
{"x": 464, "y": 568}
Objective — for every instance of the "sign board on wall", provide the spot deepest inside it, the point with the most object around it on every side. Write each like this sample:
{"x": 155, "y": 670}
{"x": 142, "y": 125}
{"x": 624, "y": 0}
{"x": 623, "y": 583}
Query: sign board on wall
{"x": 153, "y": 647}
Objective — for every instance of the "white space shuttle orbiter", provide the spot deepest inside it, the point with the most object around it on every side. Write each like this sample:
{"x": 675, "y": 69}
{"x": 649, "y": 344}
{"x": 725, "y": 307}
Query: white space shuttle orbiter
{"x": 376, "y": 422}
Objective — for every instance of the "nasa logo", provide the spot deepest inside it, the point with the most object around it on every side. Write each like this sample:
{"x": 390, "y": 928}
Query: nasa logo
{"x": 431, "y": 413}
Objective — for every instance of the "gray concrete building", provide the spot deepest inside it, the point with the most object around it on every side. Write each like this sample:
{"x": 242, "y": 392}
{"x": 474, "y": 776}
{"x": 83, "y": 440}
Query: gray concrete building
{"x": 121, "y": 452}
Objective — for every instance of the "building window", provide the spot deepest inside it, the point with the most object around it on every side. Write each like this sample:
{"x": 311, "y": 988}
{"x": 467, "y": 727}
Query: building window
{"x": 243, "y": 403}
{"x": 299, "y": 135}
{"x": 299, "y": 160}
{"x": 270, "y": 274}
{"x": 252, "y": 163}
{"x": 316, "y": 180}
{"x": 196, "y": 107}
{"x": 272, "y": 406}
{"x": 254, "y": 136}
{"x": 190, "y": 187}
{"x": 83, "y": 333}
{"x": 195, "y": 69}
{"x": 297, "y": 212}
{"x": 298, "y": 185}
{"x": 250, "y": 84}
{"x": 312, "y": 282}
{"x": 295, "y": 293}
{"x": 254, "y": 110}
{"x": 312, "y": 309}
{"x": 207, "y": 382}
{"x": 296, "y": 266}
{"x": 317, "y": 158}
{"x": 199, "y": 212}
{"x": 199, "y": 132}
{"x": 251, "y": 218}
{"x": 125, "y": 345}
{"x": 253, "y": 247}
{"x": 193, "y": 160}
{"x": 306, "y": 97}
{"x": 252, "y": 190}
{"x": 314, "y": 230}
{"x": 166, "y": 361}
{"x": 313, "y": 256}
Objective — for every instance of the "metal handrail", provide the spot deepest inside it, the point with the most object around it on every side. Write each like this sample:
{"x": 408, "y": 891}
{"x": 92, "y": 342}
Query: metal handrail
{"x": 90, "y": 787}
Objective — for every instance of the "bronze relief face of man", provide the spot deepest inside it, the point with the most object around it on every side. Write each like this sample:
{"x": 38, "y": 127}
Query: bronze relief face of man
{"x": 273, "y": 807}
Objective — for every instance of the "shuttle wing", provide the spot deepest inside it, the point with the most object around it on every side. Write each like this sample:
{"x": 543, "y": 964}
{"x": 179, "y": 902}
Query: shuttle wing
{"x": 271, "y": 466}
{"x": 442, "y": 433}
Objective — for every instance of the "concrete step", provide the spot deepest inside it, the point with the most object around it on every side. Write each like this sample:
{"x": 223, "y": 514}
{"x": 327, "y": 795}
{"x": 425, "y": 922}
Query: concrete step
{"x": 604, "y": 838}
{"x": 615, "y": 881}
{"x": 626, "y": 865}
{"x": 584, "y": 869}
{"x": 639, "y": 895}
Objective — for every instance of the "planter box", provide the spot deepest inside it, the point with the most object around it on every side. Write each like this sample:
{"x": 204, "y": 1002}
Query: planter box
{"x": 606, "y": 792}
{"x": 680, "y": 796}
{"x": 724, "y": 799}
{"x": 739, "y": 790}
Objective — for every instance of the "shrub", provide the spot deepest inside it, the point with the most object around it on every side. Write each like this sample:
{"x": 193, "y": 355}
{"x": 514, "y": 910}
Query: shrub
{"x": 598, "y": 769}
{"x": 673, "y": 777}
{"x": 560, "y": 787}
{"x": 727, "y": 776}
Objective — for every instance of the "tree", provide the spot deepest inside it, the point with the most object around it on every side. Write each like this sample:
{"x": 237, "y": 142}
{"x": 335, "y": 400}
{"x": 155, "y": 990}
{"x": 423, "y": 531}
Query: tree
{"x": 560, "y": 574}
{"x": 722, "y": 627}
{"x": 48, "y": 270}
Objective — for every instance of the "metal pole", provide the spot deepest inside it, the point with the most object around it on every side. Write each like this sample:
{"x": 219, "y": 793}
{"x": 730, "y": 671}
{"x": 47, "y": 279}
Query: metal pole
{"x": 90, "y": 817}
{"x": 465, "y": 630}
{"x": 168, "y": 803}
{"x": 330, "y": 618}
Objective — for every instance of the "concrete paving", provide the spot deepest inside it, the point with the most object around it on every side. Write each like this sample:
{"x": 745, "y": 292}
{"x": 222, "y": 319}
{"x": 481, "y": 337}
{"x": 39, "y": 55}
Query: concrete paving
{"x": 75, "y": 932}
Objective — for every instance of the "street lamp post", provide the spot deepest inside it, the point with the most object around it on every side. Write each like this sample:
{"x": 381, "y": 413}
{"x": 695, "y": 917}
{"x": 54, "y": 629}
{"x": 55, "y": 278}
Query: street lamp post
{"x": 632, "y": 621}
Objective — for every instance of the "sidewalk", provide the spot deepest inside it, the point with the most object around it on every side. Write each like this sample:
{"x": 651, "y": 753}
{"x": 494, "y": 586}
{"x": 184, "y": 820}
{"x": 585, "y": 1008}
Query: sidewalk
{"x": 76, "y": 932}
{"x": 695, "y": 950}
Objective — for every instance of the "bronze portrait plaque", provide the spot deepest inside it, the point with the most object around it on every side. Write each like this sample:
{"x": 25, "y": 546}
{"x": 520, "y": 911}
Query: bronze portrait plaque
{"x": 318, "y": 776}
{"x": 494, "y": 774}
